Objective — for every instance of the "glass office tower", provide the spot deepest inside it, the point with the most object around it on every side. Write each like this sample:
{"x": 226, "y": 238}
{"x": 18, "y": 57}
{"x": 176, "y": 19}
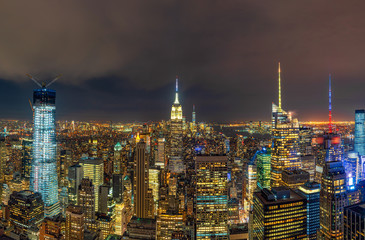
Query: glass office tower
{"x": 285, "y": 142}
{"x": 311, "y": 191}
{"x": 44, "y": 166}
{"x": 360, "y": 132}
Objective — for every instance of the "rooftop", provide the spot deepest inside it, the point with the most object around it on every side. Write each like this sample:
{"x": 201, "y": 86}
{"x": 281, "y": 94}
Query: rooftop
{"x": 277, "y": 195}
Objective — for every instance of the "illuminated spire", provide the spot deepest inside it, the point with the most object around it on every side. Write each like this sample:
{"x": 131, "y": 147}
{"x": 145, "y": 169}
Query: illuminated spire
{"x": 177, "y": 91}
{"x": 279, "y": 88}
{"x": 330, "y": 106}
{"x": 193, "y": 115}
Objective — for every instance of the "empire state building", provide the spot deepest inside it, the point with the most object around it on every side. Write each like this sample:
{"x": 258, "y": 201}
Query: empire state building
{"x": 176, "y": 133}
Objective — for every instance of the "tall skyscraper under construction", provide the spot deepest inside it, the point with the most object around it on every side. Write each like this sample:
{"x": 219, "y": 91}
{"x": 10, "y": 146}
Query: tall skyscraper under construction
{"x": 285, "y": 141}
{"x": 176, "y": 134}
{"x": 44, "y": 166}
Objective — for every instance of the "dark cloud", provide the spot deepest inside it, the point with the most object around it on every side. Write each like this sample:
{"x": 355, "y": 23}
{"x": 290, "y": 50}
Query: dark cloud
{"x": 119, "y": 58}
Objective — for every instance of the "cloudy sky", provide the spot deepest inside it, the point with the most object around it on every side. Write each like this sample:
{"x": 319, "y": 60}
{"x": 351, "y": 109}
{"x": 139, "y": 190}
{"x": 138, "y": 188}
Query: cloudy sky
{"x": 119, "y": 59}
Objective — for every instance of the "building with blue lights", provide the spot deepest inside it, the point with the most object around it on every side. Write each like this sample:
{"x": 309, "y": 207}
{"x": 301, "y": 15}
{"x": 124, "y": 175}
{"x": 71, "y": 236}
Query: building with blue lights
{"x": 359, "y": 146}
{"x": 44, "y": 178}
{"x": 311, "y": 191}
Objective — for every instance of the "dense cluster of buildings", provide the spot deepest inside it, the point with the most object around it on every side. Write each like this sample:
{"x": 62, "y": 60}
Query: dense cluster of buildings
{"x": 181, "y": 179}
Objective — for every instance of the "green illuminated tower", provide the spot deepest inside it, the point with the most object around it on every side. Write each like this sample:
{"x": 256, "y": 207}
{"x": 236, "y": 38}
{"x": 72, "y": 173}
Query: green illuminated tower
{"x": 263, "y": 162}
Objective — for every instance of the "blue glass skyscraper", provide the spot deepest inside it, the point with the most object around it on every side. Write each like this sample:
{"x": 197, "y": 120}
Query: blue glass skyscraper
{"x": 44, "y": 167}
{"x": 360, "y": 132}
{"x": 311, "y": 191}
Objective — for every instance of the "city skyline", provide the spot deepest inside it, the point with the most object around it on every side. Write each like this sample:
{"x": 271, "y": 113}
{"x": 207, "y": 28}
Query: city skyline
{"x": 225, "y": 55}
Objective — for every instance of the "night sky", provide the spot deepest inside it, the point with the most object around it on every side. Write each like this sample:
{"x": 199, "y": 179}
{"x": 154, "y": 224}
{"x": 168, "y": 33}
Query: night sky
{"x": 119, "y": 59}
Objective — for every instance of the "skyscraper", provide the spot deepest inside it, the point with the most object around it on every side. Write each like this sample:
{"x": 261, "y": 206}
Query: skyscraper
{"x": 44, "y": 166}
{"x": 310, "y": 190}
{"x": 211, "y": 197}
{"x": 117, "y": 163}
{"x": 285, "y": 142}
{"x": 26, "y": 157}
{"x": 332, "y": 201}
{"x": 143, "y": 198}
{"x": 86, "y": 200}
{"x": 94, "y": 170}
{"x": 359, "y": 146}
{"x": 263, "y": 162}
{"x": 279, "y": 214}
{"x": 176, "y": 134}
{"x": 250, "y": 185}
{"x": 75, "y": 174}
{"x": 329, "y": 146}
{"x": 333, "y": 196}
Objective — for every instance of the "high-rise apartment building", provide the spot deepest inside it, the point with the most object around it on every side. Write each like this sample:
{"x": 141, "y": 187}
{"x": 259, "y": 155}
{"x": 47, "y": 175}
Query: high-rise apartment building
{"x": 143, "y": 198}
{"x": 279, "y": 213}
{"x": 332, "y": 201}
{"x": 359, "y": 145}
{"x": 285, "y": 142}
{"x": 94, "y": 170}
{"x": 310, "y": 190}
{"x": 44, "y": 164}
{"x": 211, "y": 197}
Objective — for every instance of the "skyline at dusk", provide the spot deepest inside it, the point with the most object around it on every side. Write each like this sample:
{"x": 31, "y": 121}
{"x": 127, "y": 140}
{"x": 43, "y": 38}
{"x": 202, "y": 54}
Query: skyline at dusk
{"x": 119, "y": 60}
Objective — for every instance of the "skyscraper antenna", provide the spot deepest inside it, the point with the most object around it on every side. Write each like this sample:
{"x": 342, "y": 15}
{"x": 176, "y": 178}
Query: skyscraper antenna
{"x": 177, "y": 83}
{"x": 279, "y": 87}
{"x": 330, "y": 106}
{"x": 177, "y": 90}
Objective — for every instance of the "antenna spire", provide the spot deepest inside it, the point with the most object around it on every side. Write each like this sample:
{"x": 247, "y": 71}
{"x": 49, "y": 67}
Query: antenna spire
{"x": 177, "y": 91}
{"x": 279, "y": 87}
{"x": 330, "y": 106}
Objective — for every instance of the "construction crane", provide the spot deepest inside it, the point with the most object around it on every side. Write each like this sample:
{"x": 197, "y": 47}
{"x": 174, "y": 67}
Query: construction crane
{"x": 31, "y": 106}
